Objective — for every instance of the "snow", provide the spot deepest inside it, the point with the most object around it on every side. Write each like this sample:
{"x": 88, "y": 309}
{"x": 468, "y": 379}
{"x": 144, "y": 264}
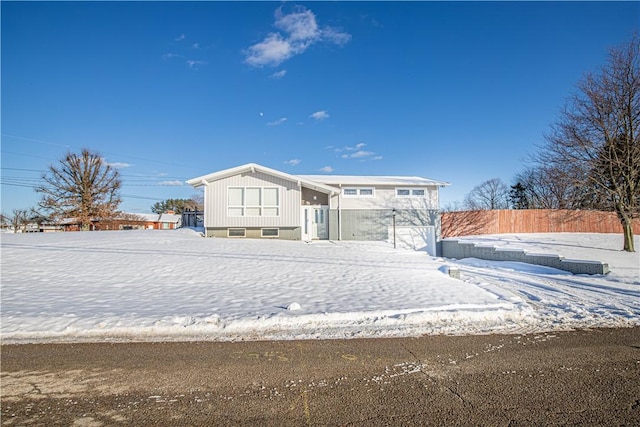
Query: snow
{"x": 153, "y": 285}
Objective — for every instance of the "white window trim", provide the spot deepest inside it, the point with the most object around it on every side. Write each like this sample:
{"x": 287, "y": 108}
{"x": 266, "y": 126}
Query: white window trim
{"x": 270, "y": 228}
{"x": 358, "y": 192}
{"x": 411, "y": 195}
{"x": 261, "y": 207}
{"x": 236, "y": 228}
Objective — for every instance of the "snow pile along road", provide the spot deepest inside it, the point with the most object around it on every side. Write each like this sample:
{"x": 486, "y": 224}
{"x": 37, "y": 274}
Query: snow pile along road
{"x": 176, "y": 285}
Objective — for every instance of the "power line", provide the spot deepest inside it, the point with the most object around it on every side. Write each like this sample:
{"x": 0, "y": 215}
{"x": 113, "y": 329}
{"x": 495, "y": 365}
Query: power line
{"x": 17, "y": 184}
{"x": 19, "y": 169}
{"x": 25, "y": 155}
{"x": 141, "y": 197}
{"x": 105, "y": 152}
{"x": 32, "y": 186}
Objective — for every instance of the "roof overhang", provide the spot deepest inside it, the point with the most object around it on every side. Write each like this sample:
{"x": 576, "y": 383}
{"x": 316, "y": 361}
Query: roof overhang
{"x": 376, "y": 181}
{"x": 253, "y": 168}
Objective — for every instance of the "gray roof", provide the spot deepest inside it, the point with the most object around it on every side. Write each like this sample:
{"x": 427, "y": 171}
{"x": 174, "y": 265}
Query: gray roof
{"x": 396, "y": 181}
{"x": 326, "y": 183}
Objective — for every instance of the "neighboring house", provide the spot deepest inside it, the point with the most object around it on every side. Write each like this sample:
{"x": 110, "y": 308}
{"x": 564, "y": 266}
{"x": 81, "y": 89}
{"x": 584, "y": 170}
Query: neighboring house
{"x": 165, "y": 221}
{"x": 43, "y": 227}
{"x": 255, "y": 201}
{"x": 129, "y": 221}
{"x": 5, "y": 223}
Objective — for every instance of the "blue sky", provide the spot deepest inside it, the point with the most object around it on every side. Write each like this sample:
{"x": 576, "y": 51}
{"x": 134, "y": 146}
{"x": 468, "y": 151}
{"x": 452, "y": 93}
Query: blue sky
{"x": 166, "y": 91}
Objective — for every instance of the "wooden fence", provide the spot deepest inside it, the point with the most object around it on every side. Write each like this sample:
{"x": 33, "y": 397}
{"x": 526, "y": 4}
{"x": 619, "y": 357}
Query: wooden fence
{"x": 468, "y": 223}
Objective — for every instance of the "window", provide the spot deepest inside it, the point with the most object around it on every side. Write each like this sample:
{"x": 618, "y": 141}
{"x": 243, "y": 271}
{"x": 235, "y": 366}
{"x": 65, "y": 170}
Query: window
{"x": 410, "y": 192}
{"x": 236, "y": 232}
{"x": 358, "y": 192}
{"x": 270, "y": 202}
{"x": 253, "y": 201}
{"x": 270, "y": 232}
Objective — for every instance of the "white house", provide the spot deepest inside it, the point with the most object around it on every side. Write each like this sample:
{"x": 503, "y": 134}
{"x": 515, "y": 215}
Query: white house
{"x": 255, "y": 201}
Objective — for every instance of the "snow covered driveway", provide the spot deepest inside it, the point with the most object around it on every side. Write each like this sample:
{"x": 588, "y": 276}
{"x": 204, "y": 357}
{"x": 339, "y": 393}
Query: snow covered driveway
{"x": 163, "y": 285}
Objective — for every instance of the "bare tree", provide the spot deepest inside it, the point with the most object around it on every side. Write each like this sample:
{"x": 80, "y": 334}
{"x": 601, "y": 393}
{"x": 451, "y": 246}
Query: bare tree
{"x": 491, "y": 194}
{"x": 83, "y": 187}
{"x": 19, "y": 219}
{"x": 548, "y": 187}
{"x": 198, "y": 201}
{"x": 597, "y": 135}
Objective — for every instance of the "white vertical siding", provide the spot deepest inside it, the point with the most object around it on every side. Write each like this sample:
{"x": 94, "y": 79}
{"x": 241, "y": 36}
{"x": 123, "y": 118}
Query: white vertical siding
{"x": 216, "y": 202}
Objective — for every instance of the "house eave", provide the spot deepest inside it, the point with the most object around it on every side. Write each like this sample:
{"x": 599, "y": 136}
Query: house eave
{"x": 253, "y": 168}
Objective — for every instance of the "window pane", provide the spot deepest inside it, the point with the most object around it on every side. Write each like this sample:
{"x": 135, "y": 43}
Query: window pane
{"x": 235, "y": 196}
{"x": 402, "y": 192}
{"x": 269, "y": 232}
{"x": 270, "y": 211}
{"x": 366, "y": 191}
{"x": 252, "y": 211}
{"x": 350, "y": 192}
{"x": 270, "y": 196}
{"x": 252, "y": 197}
{"x": 418, "y": 192}
{"x": 234, "y": 211}
{"x": 236, "y": 232}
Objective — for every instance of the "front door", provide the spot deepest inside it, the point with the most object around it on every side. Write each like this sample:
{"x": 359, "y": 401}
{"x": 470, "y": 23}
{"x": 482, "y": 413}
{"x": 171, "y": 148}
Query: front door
{"x": 315, "y": 224}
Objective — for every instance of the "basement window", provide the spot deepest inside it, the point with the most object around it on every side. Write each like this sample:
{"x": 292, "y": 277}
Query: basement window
{"x": 236, "y": 232}
{"x": 270, "y": 232}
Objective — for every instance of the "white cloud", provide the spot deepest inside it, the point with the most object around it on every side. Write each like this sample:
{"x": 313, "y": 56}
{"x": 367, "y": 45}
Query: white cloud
{"x": 279, "y": 74}
{"x": 171, "y": 183}
{"x": 180, "y": 38}
{"x": 336, "y": 36}
{"x": 299, "y": 30}
{"x": 358, "y": 146}
{"x": 356, "y": 152}
{"x": 271, "y": 51}
{"x": 327, "y": 169}
{"x": 171, "y": 55}
{"x": 293, "y": 162}
{"x": 277, "y": 122}
{"x": 119, "y": 165}
{"x": 196, "y": 45}
{"x": 361, "y": 153}
{"x": 301, "y": 24}
{"x": 320, "y": 115}
{"x": 193, "y": 64}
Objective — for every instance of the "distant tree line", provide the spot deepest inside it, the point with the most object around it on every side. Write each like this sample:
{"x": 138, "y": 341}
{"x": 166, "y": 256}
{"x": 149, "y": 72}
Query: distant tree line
{"x": 178, "y": 205}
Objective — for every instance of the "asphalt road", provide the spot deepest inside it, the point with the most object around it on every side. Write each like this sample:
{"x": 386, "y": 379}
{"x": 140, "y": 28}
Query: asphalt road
{"x": 585, "y": 377}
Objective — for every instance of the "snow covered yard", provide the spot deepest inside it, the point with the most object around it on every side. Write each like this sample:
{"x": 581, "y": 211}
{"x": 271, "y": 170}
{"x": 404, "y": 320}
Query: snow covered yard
{"x": 176, "y": 285}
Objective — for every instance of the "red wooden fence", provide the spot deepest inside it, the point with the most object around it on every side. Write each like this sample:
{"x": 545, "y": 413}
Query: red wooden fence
{"x": 467, "y": 223}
